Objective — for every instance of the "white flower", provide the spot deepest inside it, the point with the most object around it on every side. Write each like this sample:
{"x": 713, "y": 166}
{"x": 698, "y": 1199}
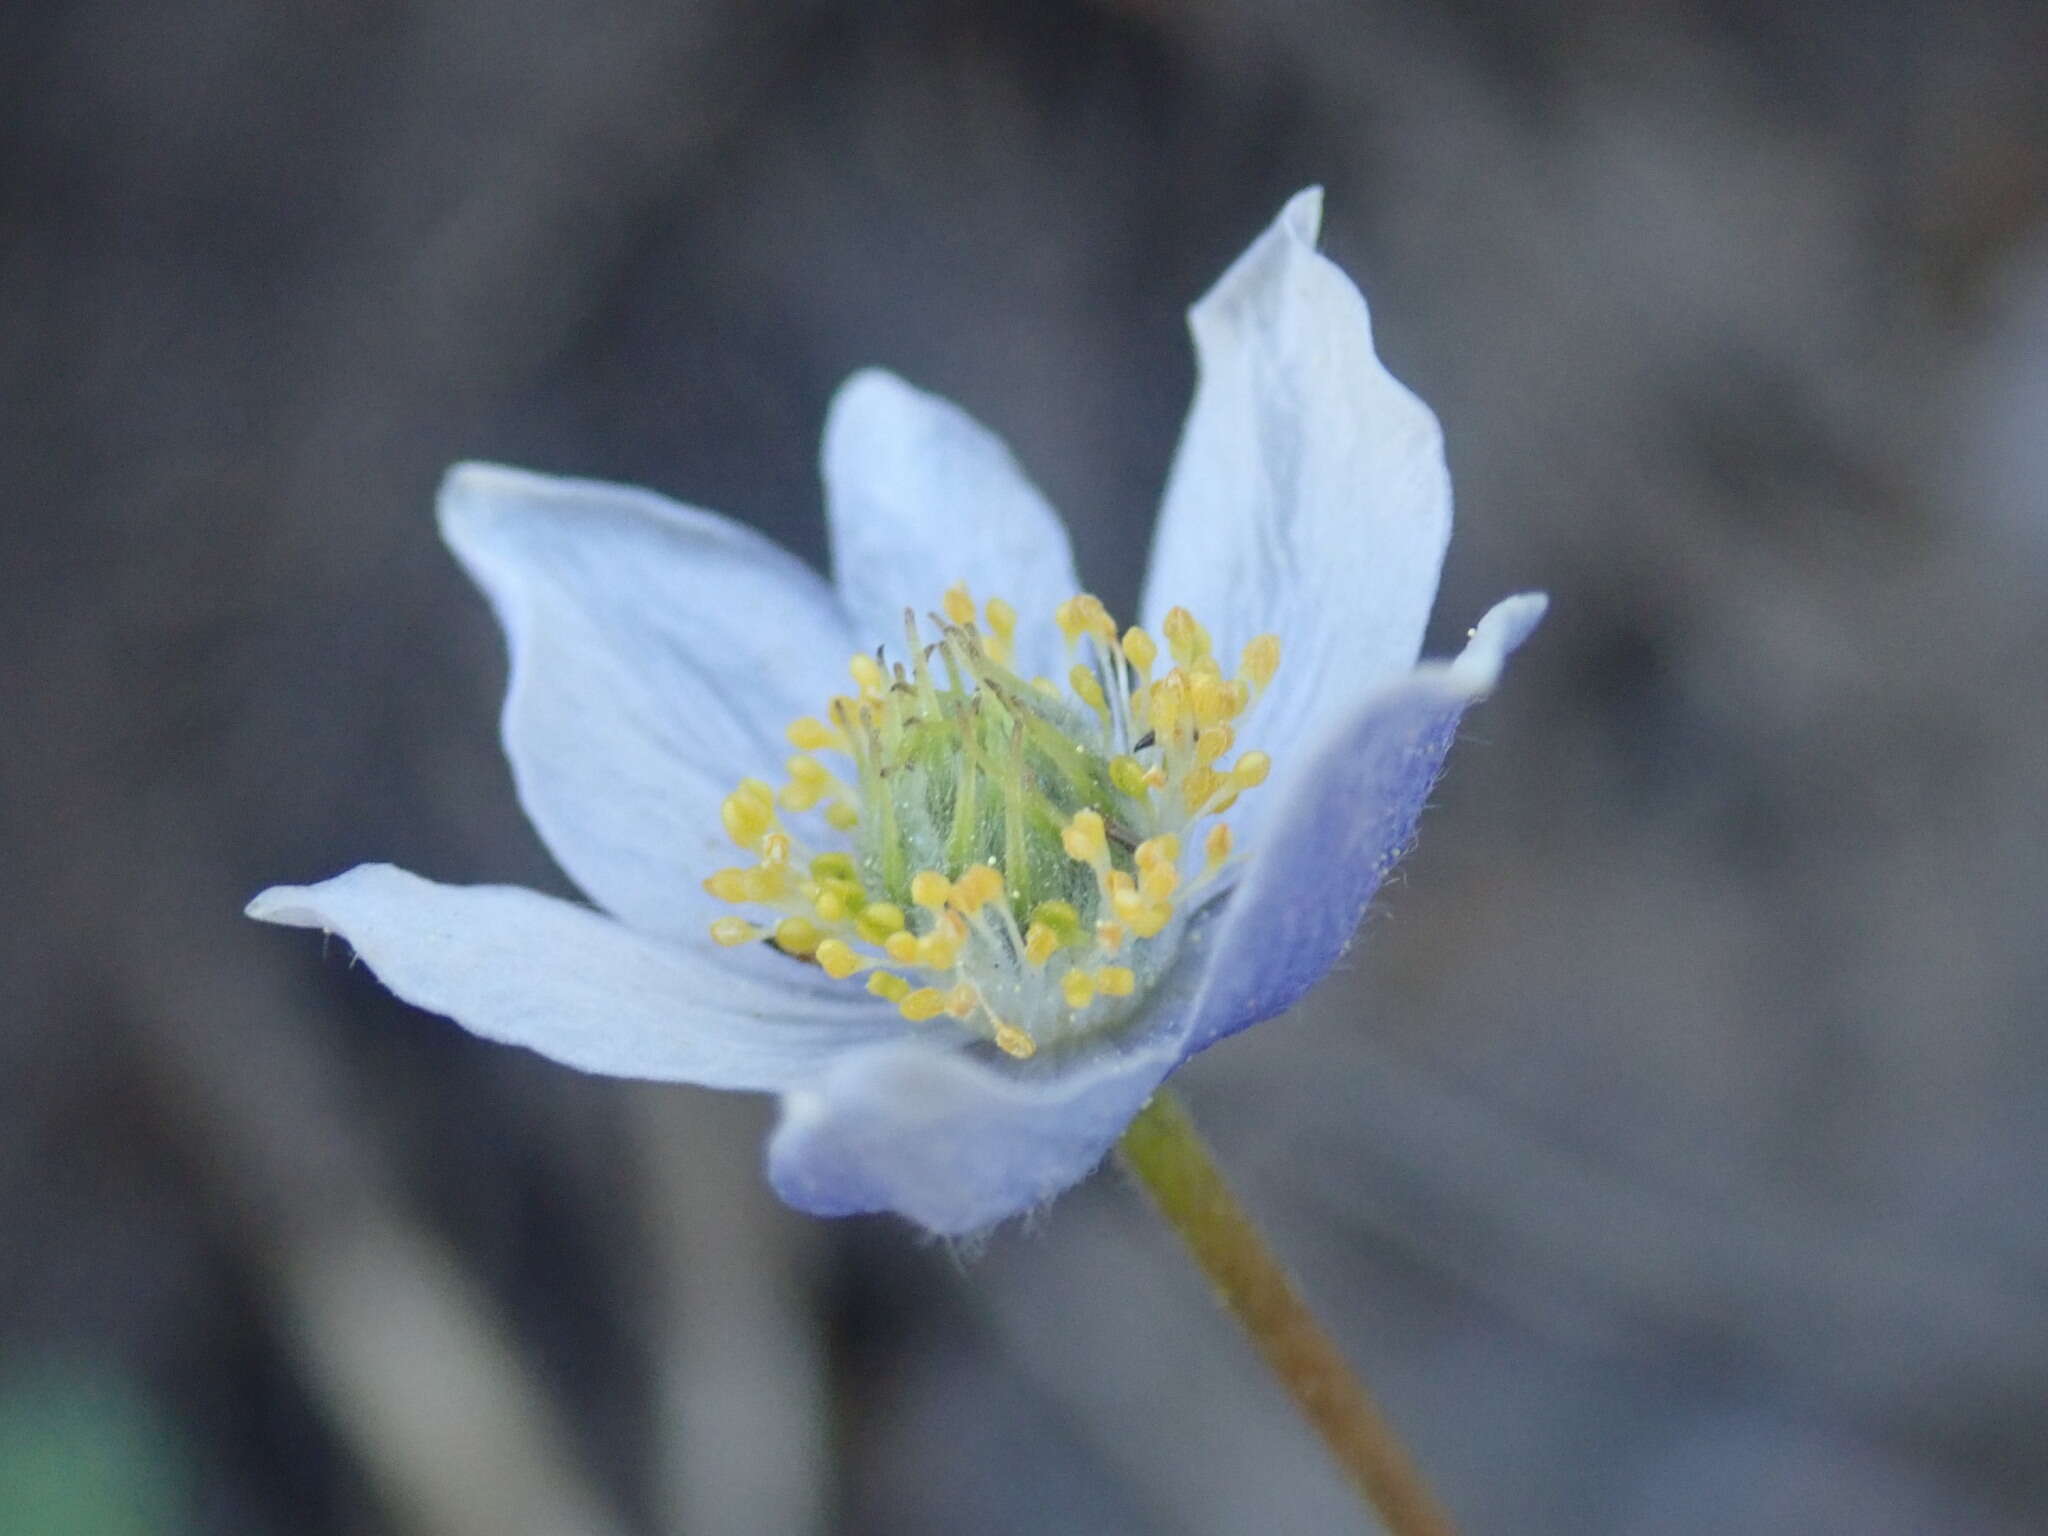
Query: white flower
{"x": 996, "y": 917}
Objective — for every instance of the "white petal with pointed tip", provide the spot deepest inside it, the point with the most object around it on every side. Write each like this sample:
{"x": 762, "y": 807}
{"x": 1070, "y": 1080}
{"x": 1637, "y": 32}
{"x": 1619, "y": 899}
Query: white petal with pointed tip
{"x": 657, "y": 654}
{"x": 920, "y": 496}
{"x": 515, "y": 966}
{"x": 1308, "y": 496}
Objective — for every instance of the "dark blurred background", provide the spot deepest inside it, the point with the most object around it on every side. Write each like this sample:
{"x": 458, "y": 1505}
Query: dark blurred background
{"x": 1671, "y": 1151}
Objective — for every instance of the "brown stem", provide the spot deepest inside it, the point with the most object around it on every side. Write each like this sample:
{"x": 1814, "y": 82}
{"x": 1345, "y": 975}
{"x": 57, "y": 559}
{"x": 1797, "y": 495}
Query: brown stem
{"x": 1166, "y": 1154}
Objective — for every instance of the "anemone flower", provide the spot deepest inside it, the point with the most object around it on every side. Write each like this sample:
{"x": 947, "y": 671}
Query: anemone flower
{"x": 964, "y": 902}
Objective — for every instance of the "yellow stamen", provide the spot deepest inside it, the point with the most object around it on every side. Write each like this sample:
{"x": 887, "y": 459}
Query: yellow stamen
{"x": 1002, "y": 618}
{"x": 835, "y": 866}
{"x": 1140, "y": 650}
{"x": 938, "y": 950}
{"x": 808, "y": 735}
{"x": 1012, "y": 1041}
{"x": 1216, "y": 847}
{"x": 1164, "y": 849}
{"x": 1086, "y": 688}
{"x": 1261, "y": 661}
{"x": 868, "y": 673}
{"x": 1087, "y": 840}
{"x": 733, "y": 885}
{"x": 887, "y": 984}
{"x": 1186, "y": 639}
{"x": 797, "y": 936}
{"x": 878, "y": 920}
{"x": 924, "y": 1003}
{"x": 977, "y": 886}
{"x": 1212, "y": 743}
{"x": 837, "y": 959}
{"x": 746, "y": 818}
{"x": 948, "y": 762}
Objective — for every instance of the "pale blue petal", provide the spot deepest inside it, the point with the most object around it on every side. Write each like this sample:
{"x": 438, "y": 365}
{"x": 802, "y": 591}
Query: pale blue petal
{"x": 919, "y": 496}
{"x": 1344, "y": 813}
{"x": 1309, "y": 496}
{"x": 657, "y": 654}
{"x": 514, "y": 966}
{"x": 949, "y": 1139}
{"x": 958, "y": 1139}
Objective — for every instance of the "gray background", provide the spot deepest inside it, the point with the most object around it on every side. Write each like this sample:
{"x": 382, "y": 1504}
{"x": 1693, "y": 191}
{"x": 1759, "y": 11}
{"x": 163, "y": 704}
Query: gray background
{"x": 1670, "y": 1151}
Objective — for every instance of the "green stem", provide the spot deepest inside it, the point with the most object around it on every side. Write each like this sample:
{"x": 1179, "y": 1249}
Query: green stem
{"x": 1163, "y": 1150}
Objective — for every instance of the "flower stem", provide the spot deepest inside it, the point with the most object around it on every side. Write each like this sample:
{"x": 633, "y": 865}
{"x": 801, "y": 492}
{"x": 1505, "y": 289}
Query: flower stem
{"x": 1166, "y": 1154}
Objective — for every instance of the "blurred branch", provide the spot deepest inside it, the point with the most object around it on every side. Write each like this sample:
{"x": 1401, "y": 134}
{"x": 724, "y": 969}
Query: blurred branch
{"x": 406, "y": 1355}
{"x": 739, "y": 1364}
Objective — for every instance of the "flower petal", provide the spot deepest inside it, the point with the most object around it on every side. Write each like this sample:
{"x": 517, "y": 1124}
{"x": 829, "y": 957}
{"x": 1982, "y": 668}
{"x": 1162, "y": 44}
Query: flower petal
{"x": 1308, "y": 496}
{"x": 657, "y": 652}
{"x": 957, "y": 1139}
{"x": 515, "y": 966}
{"x": 920, "y": 496}
{"x": 1344, "y": 813}
{"x": 949, "y": 1140}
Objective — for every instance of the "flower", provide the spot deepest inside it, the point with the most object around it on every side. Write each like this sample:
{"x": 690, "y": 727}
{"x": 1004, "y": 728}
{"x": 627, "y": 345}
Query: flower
{"x": 987, "y": 915}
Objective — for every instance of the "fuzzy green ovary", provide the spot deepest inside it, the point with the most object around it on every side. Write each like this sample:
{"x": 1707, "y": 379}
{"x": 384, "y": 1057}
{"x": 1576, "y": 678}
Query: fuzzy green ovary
{"x": 959, "y": 791}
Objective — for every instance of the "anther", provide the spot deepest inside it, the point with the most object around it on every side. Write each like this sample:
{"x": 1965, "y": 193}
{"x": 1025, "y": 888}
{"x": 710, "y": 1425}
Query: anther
{"x": 1002, "y": 619}
{"x": 1088, "y": 689}
{"x": 977, "y": 886}
{"x": 878, "y": 920}
{"x": 924, "y": 1003}
{"x": 1128, "y": 775}
{"x": 1212, "y": 743}
{"x": 808, "y": 735}
{"x": 1261, "y": 661}
{"x": 730, "y": 932}
{"x": 868, "y": 673}
{"x": 797, "y": 936}
{"x": 834, "y": 866}
{"x": 1012, "y": 1041}
{"x": 746, "y": 818}
{"x": 837, "y": 959}
{"x": 1216, "y": 847}
{"x": 1140, "y": 650}
{"x": 887, "y": 984}
{"x": 1185, "y": 638}
{"x": 1086, "y": 840}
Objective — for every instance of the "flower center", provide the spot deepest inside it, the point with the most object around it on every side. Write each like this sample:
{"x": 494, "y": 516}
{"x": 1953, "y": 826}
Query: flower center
{"x": 1010, "y": 855}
